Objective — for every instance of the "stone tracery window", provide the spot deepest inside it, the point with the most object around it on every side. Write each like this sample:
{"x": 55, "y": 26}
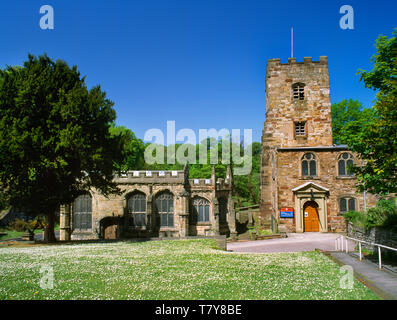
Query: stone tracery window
{"x": 345, "y": 161}
{"x": 165, "y": 208}
{"x": 309, "y": 166}
{"x": 136, "y": 205}
{"x": 82, "y": 212}
{"x": 201, "y": 210}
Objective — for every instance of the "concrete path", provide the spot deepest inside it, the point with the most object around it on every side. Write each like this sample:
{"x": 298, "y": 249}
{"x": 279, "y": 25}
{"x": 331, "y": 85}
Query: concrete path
{"x": 295, "y": 242}
{"x": 382, "y": 282}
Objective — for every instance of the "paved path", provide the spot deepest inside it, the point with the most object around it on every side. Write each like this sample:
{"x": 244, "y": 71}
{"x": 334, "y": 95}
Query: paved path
{"x": 295, "y": 242}
{"x": 382, "y": 282}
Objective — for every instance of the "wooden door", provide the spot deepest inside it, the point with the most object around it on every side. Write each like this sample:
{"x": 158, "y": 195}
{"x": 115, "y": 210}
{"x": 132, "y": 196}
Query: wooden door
{"x": 311, "y": 217}
{"x": 111, "y": 232}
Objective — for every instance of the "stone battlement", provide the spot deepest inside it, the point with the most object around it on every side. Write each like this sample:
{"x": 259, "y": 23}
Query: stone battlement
{"x": 306, "y": 60}
{"x": 145, "y": 176}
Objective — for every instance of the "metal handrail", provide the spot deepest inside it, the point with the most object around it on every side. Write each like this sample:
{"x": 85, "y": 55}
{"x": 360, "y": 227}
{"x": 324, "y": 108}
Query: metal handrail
{"x": 370, "y": 243}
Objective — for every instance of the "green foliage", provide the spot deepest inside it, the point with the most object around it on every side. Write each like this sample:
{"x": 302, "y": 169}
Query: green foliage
{"x": 21, "y": 225}
{"x": 376, "y": 141}
{"x": 357, "y": 218}
{"x": 133, "y": 149}
{"x": 383, "y": 215}
{"x": 54, "y": 136}
{"x": 246, "y": 187}
{"x": 348, "y": 118}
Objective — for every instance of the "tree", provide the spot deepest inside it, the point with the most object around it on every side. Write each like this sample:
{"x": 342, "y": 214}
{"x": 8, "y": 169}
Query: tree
{"x": 348, "y": 116}
{"x": 54, "y": 138}
{"x": 376, "y": 142}
{"x": 133, "y": 149}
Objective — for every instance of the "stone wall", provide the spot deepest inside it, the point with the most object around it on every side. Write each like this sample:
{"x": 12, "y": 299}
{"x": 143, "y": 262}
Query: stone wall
{"x": 373, "y": 235}
{"x": 110, "y": 214}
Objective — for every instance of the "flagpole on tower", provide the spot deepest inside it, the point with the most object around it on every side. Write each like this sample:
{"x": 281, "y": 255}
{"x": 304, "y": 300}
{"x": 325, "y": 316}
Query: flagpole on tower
{"x": 292, "y": 42}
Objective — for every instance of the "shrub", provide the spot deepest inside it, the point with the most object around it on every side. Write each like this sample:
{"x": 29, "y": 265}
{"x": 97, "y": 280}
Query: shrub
{"x": 357, "y": 218}
{"x": 383, "y": 215}
{"x": 21, "y": 225}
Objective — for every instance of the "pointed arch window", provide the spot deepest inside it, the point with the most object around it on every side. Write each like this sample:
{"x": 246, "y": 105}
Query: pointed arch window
{"x": 136, "y": 205}
{"x": 82, "y": 212}
{"x": 309, "y": 165}
{"x": 201, "y": 210}
{"x": 165, "y": 208}
{"x": 345, "y": 162}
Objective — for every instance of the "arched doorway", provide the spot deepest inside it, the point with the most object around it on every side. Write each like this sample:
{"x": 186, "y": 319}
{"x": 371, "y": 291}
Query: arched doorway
{"x": 311, "y": 217}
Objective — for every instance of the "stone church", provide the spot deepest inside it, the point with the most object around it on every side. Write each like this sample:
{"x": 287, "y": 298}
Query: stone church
{"x": 306, "y": 185}
{"x": 153, "y": 204}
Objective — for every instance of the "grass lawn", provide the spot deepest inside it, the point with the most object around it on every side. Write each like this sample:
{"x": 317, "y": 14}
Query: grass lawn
{"x": 180, "y": 269}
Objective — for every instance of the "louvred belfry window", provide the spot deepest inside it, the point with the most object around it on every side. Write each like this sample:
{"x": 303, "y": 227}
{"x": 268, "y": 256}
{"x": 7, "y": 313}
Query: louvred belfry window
{"x": 298, "y": 91}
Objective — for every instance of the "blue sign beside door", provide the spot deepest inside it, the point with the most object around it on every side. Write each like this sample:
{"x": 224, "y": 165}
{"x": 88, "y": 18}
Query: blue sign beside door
{"x": 286, "y": 212}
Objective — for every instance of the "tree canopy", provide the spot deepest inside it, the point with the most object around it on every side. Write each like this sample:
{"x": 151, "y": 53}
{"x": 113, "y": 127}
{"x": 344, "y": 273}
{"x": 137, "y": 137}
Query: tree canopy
{"x": 55, "y": 139}
{"x": 376, "y": 140}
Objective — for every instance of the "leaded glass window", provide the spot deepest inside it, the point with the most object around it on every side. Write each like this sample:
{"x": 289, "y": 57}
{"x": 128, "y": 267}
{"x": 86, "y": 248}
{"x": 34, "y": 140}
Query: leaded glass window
{"x": 82, "y": 212}
{"x": 345, "y": 162}
{"x": 201, "y": 210}
{"x": 347, "y": 204}
{"x": 309, "y": 166}
{"x": 136, "y": 205}
{"x": 165, "y": 208}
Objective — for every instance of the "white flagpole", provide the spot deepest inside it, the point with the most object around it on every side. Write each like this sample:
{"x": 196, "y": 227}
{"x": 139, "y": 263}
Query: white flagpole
{"x": 292, "y": 42}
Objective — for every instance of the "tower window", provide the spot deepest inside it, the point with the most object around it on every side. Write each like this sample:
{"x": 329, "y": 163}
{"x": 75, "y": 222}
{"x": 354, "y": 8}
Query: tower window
{"x": 299, "y": 91}
{"x": 300, "y": 128}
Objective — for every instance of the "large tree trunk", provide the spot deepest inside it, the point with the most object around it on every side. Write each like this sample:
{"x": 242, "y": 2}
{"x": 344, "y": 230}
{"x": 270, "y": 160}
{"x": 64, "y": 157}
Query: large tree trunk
{"x": 49, "y": 234}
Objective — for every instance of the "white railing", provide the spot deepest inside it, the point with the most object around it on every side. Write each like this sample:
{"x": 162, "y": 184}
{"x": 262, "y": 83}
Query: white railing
{"x": 339, "y": 244}
{"x": 339, "y": 247}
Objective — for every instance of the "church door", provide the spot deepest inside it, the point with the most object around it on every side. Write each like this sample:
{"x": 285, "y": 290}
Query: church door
{"x": 311, "y": 218}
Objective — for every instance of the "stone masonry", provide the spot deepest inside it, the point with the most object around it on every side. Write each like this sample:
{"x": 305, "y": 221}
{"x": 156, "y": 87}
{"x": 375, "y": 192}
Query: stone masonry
{"x": 298, "y": 122}
{"x": 109, "y": 217}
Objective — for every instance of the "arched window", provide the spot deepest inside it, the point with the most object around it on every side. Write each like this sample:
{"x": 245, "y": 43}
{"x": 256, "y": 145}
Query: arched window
{"x": 165, "y": 208}
{"x": 136, "y": 205}
{"x": 347, "y": 204}
{"x": 309, "y": 167}
{"x": 82, "y": 212}
{"x": 201, "y": 210}
{"x": 298, "y": 90}
{"x": 345, "y": 161}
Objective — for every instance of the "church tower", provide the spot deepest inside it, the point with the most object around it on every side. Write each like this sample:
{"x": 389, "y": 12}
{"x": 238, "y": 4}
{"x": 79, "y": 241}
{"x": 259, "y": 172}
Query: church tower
{"x": 298, "y": 115}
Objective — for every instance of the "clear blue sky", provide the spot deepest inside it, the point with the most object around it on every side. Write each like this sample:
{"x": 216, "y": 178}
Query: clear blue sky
{"x": 198, "y": 62}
